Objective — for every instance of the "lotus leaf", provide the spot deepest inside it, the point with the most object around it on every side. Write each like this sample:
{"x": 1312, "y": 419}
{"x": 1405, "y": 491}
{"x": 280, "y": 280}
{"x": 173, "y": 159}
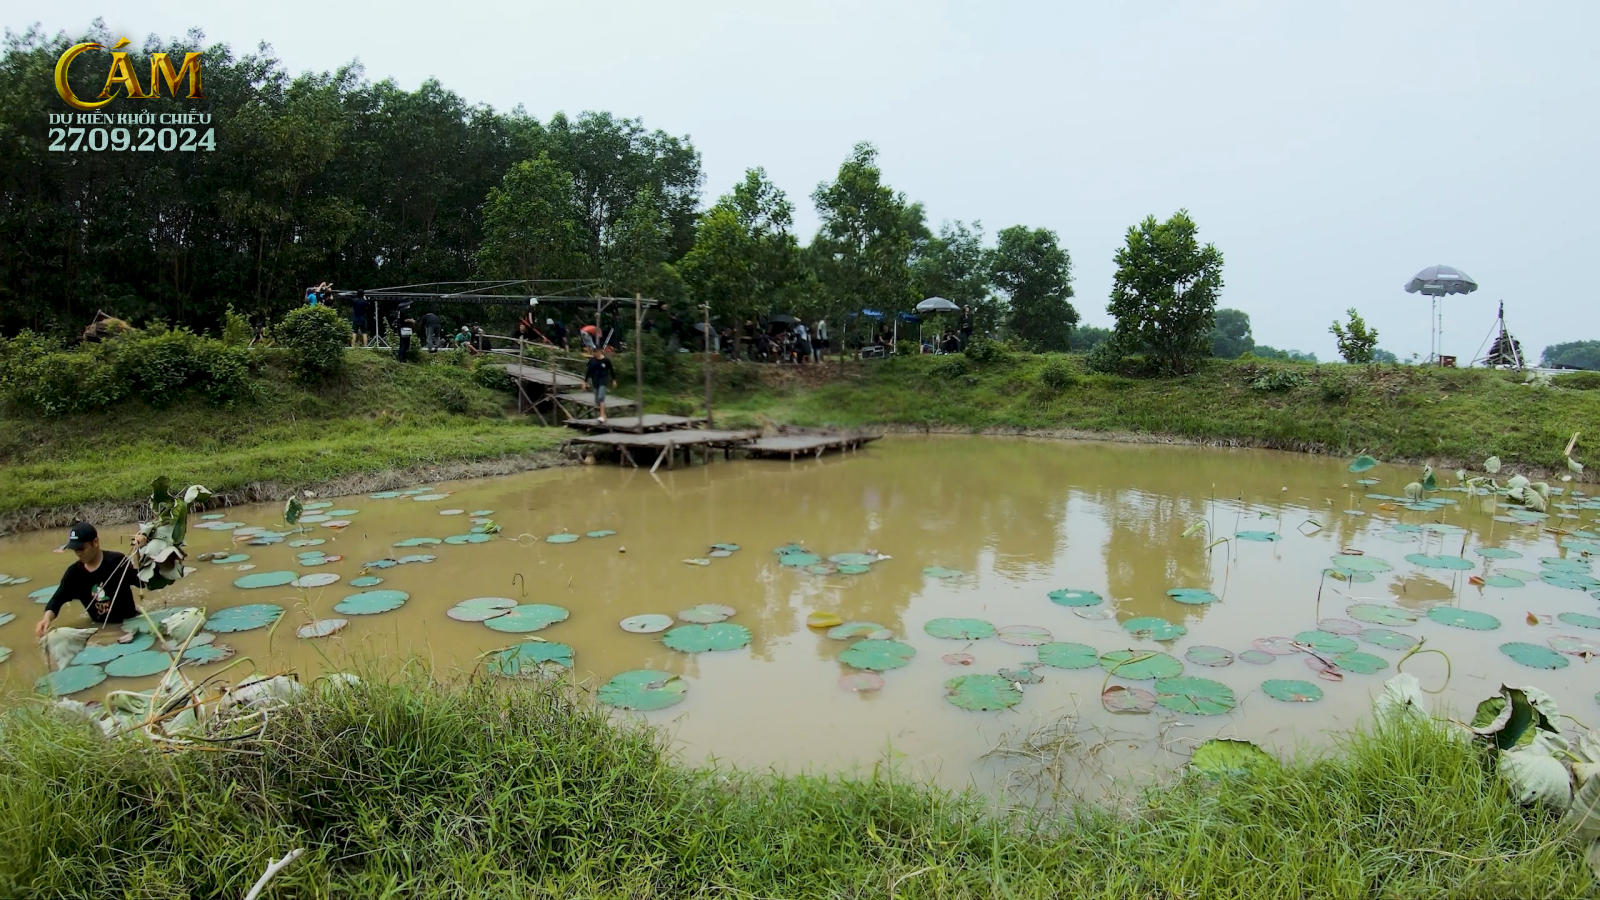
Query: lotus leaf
{"x": 854, "y": 570}
{"x": 1154, "y": 627}
{"x": 231, "y": 559}
{"x": 861, "y": 681}
{"x": 602, "y": 533}
{"x": 1256, "y": 657}
{"x": 787, "y": 549}
{"x": 1376, "y": 614}
{"x": 1572, "y": 581}
{"x": 1570, "y": 644}
{"x": 1024, "y": 635}
{"x": 877, "y": 656}
{"x": 1362, "y": 463}
{"x": 1022, "y": 675}
{"x": 701, "y": 638}
{"x": 265, "y": 580}
{"x": 959, "y": 629}
{"x": 343, "y": 512}
{"x": 644, "y": 690}
{"x": 526, "y": 617}
{"x": 1074, "y": 597}
{"x": 646, "y": 623}
{"x": 941, "y": 572}
{"x": 799, "y": 559}
{"x": 1094, "y": 612}
{"x": 483, "y": 512}
{"x": 428, "y": 498}
{"x": 821, "y": 619}
{"x": 70, "y": 680}
{"x": 1123, "y": 699}
{"x": 138, "y": 665}
{"x": 1522, "y": 575}
{"x": 1323, "y": 642}
{"x": 958, "y": 659}
{"x": 982, "y": 693}
{"x": 1497, "y": 553}
{"x": 1564, "y": 565}
{"x": 853, "y": 559}
{"x": 244, "y": 618}
{"x": 1361, "y": 563}
{"x": 1214, "y": 657}
{"x": 337, "y": 524}
{"x": 1259, "y": 536}
{"x": 417, "y": 542}
{"x": 458, "y": 539}
{"x": 316, "y": 580}
{"x": 561, "y": 538}
{"x": 1277, "y": 646}
{"x": 416, "y": 558}
{"x": 1463, "y": 618}
{"x": 1439, "y": 562}
{"x": 452, "y": 512}
{"x": 1388, "y": 640}
{"x": 1192, "y": 596}
{"x": 1064, "y": 655}
{"x": 313, "y": 519}
{"x": 384, "y": 495}
{"x": 100, "y": 654}
{"x": 1581, "y": 620}
{"x": 719, "y": 554}
{"x": 1339, "y": 626}
{"x": 481, "y": 609}
{"x": 1533, "y": 655}
{"x": 1195, "y": 696}
{"x": 1228, "y": 758}
{"x": 1359, "y": 662}
{"x": 370, "y": 603}
{"x": 707, "y": 613}
{"x": 1140, "y": 665}
{"x": 870, "y": 631}
{"x": 1291, "y": 690}
{"x": 6, "y": 617}
{"x": 530, "y": 659}
{"x": 44, "y": 594}
{"x": 1501, "y": 581}
{"x": 321, "y": 628}
{"x": 380, "y": 564}
{"x": 308, "y": 542}
{"x": 731, "y": 548}
{"x": 366, "y": 581}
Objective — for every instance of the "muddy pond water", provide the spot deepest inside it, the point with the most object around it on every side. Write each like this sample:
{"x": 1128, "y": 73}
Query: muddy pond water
{"x": 952, "y": 543}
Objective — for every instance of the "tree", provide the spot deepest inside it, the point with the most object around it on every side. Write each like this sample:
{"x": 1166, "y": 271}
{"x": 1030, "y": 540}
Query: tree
{"x": 1036, "y": 274}
{"x": 1573, "y": 354}
{"x": 1355, "y": 339}
{"x": 1088, "y": 337}
{"x": 1230, "y": 335}
{"x": 744, "y": 260}
{"x": 1164, "y": 295}
{"x": 870, "y": 233}
{"x": 1379, "y": 355}
{"x": 531, "y": 224}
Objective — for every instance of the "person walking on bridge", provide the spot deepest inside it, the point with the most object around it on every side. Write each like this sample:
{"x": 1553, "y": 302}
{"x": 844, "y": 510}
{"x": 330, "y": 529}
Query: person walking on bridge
{"x": 599, "y": 373}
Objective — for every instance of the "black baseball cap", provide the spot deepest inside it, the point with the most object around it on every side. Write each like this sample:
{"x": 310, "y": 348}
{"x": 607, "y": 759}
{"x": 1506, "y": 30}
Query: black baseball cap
{"x": 80, "y": 536}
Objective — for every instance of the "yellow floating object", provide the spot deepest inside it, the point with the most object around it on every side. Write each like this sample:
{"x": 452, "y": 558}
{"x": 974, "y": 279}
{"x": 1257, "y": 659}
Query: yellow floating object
{"x": 823, "y": 620}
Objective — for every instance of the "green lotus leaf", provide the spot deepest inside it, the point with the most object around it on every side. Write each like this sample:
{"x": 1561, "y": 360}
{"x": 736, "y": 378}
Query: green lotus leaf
{"x": 481, "y": 609}
{"x": 1214, "y": 657}
{"x": 1377, "y": 614}
{"x": 70, "y": 680}
{"x": 983, "y": 693}
{"x": 877, "y": 656}
{"x": 265, "y": 580}
{"x": 852, "y": 559}
{"x": 959, "y": 629}
{"x": 1360, "y": 662}
{"x": 1388, "y": 640}
{"x": 707, "y": 613}
{"x": 1256, "y": 657}
{"x": 644, "y": 690}
{"x": 1024, "y": 635}
{"x": 243, "y": 618}
{"x": 854, "y": 569}
{"x": 526, "y": 617}
{"x": 530, "y": 659}
{"x": 701, "y": 638}
{"x": 100, "y": 654}
{"x": 1074, "y": 597}
{"x": 1291, "y": 690}
{"x": 1228, "y": 758}
{"x": 458, "y": 539}
{"x": 1140, "y": 665}
{"x": 370, "y": 603}
{"x": 138, "y": 665}
{"x": 1439, "y": 562}
{"x": 1533, "y": 655}
{"x": 1192, "y": 596}
{"x": 1361, "y": 563}
{"x": 1156, "y": 628}
{"x": 1195, "y": 696}
{"x": 1497, "y": 553}
{"x": 366, "y": 581}
{"x": 647, "y": 623}
{"x": 1463, "y": 618}
{"x": 1066, "y": 655}
{"x": 1581, "y": 620}
{"x": 1362, "y": 463}
{"x": 1259, "y": 536}
{"x": 1323, "y": 642}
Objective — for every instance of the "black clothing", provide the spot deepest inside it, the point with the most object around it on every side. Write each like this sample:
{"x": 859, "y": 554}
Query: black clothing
{"x": 106, "y": 593}
{"x": 598, "y": 372}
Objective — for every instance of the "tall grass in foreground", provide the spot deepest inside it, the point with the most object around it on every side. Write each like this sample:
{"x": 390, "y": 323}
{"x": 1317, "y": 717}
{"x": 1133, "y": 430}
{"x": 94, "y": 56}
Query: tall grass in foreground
{"x": 418, "y": 789}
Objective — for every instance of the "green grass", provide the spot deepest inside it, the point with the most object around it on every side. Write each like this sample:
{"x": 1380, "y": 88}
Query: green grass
{"x": 412, "y": 788}
{"x": 382, "y": 416}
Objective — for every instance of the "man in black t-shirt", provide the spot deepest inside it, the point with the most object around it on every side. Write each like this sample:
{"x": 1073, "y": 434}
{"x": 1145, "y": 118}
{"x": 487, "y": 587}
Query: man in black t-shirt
{"x": 101, "y": 580}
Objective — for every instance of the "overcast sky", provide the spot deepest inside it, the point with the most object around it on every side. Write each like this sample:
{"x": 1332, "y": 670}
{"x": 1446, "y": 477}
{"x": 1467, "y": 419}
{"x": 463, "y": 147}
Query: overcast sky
{"x": 1329, "y": 150}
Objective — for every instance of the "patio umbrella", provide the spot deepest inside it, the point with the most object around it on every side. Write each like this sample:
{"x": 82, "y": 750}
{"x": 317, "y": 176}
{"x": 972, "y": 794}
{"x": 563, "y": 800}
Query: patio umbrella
{"x": 936, "y": 304}
{"x": 1435, "y": 282}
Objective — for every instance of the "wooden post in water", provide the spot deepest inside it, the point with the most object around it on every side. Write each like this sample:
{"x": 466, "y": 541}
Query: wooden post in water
{"x": 707, "y": 337}
{"x": 638, "y": 364}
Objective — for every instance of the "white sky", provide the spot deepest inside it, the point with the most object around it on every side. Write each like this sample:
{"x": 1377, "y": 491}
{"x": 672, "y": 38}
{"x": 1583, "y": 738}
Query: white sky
{"x": 1329, "y": 150}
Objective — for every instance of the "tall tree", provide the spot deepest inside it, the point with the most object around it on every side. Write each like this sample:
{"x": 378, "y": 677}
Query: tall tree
{"x": 1230, "y": 334}
{"x": 532, "y": 224}
{"x": 1164, "y": 294}
{"x": 745, "y": 260}
{"x": 954, "y": 265}
{"x": 1035, "y": 272}
{"x": 1573, "y": 354}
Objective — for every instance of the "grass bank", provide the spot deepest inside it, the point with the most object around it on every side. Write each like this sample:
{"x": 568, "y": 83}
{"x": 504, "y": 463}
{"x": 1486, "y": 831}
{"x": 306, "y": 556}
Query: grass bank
{"x": 381, "y": 418}
{"x": 412, "y": 788}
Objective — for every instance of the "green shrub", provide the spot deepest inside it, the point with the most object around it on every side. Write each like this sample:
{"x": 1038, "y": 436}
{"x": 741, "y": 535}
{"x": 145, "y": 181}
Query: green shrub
{"x": 985, "y": 352}
{"x": 1579, "y": 381}
{"x": 662, "y": 367}
{"x": 908, "y": 349}
{"x": 487, "y": 373}
{"x": 1335, "y": 388}
{"x": 316, "y": 337}
{"x": 1058, "y": 375}
{"x": 946, "y": 368}
{"x": 235, "y": 329}
{"x": 452, "y": 396}
{"x": 730, "y": 377}
{"x": 156, "y": 367}
{"x": 1273, "y": 380}
{"x": 1106, "y": 358}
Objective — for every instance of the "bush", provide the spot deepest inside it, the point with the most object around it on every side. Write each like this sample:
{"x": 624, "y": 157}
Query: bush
{"x": 1579, "y": 381}
{"x": 985, "y": 352}
{"x": 1058, "y": 375}
{"x": 729, "y": 377}
{"x": 1106, "y": 358}
{"x": 1273, "y": 380}
{"x": 662, "y": 367}
{"x": 908, "y": 348}
{"x": 946, "y": 368}
{"x": 235, "y": 329}
{"x": 1335, "y": 388}
{"x": 316, "y": 337}
{"x": 486, "y": 373}
{"x": 156, "y": 367}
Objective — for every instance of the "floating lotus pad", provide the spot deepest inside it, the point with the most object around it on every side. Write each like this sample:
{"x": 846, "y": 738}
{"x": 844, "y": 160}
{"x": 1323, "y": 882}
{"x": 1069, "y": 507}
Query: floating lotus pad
{"x": 861, "y": 681}
{"x": 1323, "y": 642}
{"x": 982, "y": 693}
{"x": 877, "y": 656}
{"x": 1024, "y": 635}
{"x": 646, "y": 623}
{"x": 231, "y": 559}
{"x": 941, "y": 572}
{"x": 1260, "y": 536}
{"x": 1361, "y": 563}
{"x": 343, "y": 512}
{"x": 1581, "y": 620}
{"x": 315, "y": 519}
{"x": 562, "y": 538}
{"x": 337, "y": 524}
{"x": 1567, "y": 565}
{"x": 823, "y": 619}
{"x": 384, "y": 495}
{"x": 1439, "y": 562}
{"x": 1572, "y": 581}
{"x": 1256, "y": 657}
{"x": 1497, "y": 553}
{"x": 459, "y": 539}
{"x": 70, "y": 680}
{"x": 854, "y": 570}
{"x": 1073, "y": 597}
{"x": 308, "y": 542}
{"x": 1361, "y": 464}
{"x": 320, "y": 504}
{"x": 1501, "y": 581}
{"x": 1140, "y": 665}
{"x": 418, "y": 542}
{"x": 1291, "y": 690}
{"x": 316, "y": 580}
{"x": 206, "y": 654}
{"x": 481, "y": 609}
{"x": 799, "y": 559}
{"x": 1277, "y": 645}
{"x": 1192, "y": 596}
{"x": 643, "y": 690}
{"x": 1066, "y": 655}
{"x": 702, "y": 638}
{"x": 100, "y": 654}
{"x": 1376, "y": 614}
{"x": 321, "y": 628}
{"x": 428, "y": 498}
{"x": 138, "y": 665}
{"x": 1156, "y": 628}
{"x": 1094, "y": 612}
{"x": 1339, "y": 626}
{"x": 452, "y": 512}
{"x": 959, "y": 629}
{"x": 244, "y": 618}
{"x": 707, "y": 613}
{"x": 731, "y": 548}
{"x": 266, "y": 580}
{"x": 1022, "y": 675}
{"x": 1388, "y": 640}
{"x": 870, "y": 631}
{"x": 366, "y": 581}
{"x": 1463, "y": 618}
{"x": 852, "y": 559}
{"x": 787, "y": 549}
{"x": 530, "y": 659}
{"x": 1533, "y": 655}
{"x": 1359, "y": 661}
{"x": 527, "y": 617}
{"x": 44, "y": 594}
{"x": 1214, "y": 657}
{"x": 416, "y": 558}
{"x": 1574, "y": 645}
{"x": 6, "y": 617}
{"x": 370, "y": 603}
{"x": 1195, "y": 696}
{"x": 380, "y": 564}
{"x": 1119, "y": 698}
{"x": 719, "y": 554}
{"x": 483, "y": 512}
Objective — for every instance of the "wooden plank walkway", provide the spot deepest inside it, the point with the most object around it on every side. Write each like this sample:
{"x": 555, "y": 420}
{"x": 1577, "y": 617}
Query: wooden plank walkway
{"x": 794, "y": 445}
{"x": 652, "y": 422}
{"x": 534, "y": 375}
{"x": 586, "y": 398}
{"x": 666, "y": 444}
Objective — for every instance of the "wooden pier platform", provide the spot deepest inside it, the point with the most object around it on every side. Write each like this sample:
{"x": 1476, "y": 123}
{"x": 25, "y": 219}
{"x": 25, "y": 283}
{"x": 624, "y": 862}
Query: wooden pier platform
{"x": 803, "y": 443}
{"x": 534, "y": 375}
{"x": 666, "y": 444}
{"x": 652, "y": 422}
{"x": 586, "y": 399}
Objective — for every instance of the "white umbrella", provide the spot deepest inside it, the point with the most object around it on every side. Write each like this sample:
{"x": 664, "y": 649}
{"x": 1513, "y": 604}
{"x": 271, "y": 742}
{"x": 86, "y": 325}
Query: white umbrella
{"x": 936, "y": 304}
{"x": 1435, "y": 282}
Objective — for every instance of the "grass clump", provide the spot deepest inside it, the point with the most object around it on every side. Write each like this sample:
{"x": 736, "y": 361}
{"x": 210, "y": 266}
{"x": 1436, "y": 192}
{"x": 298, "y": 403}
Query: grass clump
{"x": 407, "y": 787}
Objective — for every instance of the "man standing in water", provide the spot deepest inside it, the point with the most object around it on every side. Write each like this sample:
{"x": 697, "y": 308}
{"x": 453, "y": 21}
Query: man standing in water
{"x": 101, "y": 580}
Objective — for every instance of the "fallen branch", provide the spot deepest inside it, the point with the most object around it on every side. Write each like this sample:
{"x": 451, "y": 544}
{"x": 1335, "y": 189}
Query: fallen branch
{"x": 273, "y": 869}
